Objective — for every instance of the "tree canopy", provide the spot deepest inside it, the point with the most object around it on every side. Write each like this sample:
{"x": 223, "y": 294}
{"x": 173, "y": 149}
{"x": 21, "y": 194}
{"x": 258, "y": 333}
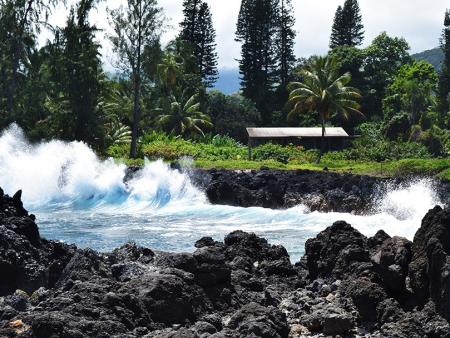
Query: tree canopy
{"x": 264, "y": 28}
{"x": 324, "y": 91}
{"x": 140, "y": 24}
{"x": 347, "y": 29}
{"x": 179, "y": 115}
{"x": 197, "y": 30}
{"x": 444, "y": 73}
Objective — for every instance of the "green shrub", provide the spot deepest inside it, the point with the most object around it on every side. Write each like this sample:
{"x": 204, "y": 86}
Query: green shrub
{"x": 273, "y": 151}
{"x": 428, "y": 167}
{"x": 215, "y": 153}
{"x": 217, "y": 140}
{"x": 381, "y": 151}
{"x": 176, "y": 149}
{"x": 119, "y": 150}
{"x": 169, "y": 151}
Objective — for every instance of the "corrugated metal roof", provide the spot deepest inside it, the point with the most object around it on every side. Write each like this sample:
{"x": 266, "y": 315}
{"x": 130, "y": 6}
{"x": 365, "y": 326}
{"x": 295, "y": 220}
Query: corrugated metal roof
{"x": 296, "y": 132}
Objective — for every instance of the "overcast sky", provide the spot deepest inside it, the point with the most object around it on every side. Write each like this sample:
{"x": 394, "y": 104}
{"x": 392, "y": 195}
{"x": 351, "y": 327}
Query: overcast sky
{"x": 419, "y": 22}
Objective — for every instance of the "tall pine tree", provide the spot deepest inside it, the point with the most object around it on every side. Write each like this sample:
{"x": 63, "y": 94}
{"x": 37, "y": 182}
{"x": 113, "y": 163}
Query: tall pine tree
{"x": 256, "y": 30}
{"x": 347, "y": 29}
{"x": 75, "y": 66}
{"x": 444, "y": 73}
{"x": 197, "y": 30}
{"x": 285, "y": 41}
{"x": 189, "y": 23}
{"x": 337, "y": 30}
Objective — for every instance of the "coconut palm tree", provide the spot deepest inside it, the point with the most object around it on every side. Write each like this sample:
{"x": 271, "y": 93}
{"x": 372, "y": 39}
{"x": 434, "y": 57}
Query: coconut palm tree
{"x": 169, "y": 70}
{"x": 178, "y": 117}
{"x": 324, "y": 91}
{"x": 184, "y": 54}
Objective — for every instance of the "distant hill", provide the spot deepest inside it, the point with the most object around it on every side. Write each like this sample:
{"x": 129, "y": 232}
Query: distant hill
{"x": 228, "y": 81}
{"x": 433, "y": 56}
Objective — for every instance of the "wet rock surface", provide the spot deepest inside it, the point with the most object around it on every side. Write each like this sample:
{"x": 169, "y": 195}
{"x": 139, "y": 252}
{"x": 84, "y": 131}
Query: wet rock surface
{"x": 323, "y": 191}
{"x": 346, "y": 285}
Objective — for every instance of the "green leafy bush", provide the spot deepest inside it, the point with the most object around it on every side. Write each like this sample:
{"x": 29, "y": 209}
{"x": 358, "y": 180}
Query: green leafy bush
{"x": 178, "y": 148}
{"x": 118, "y": 150}
{"x": 408, "y": 167}
{"x": 273, "y": 151}
{"x": 381, "y": 151}
{"x": 167, "y": 150}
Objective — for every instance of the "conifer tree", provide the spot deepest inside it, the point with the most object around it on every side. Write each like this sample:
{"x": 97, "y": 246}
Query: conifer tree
{"x": 347, "y": 29}
{"x": 444, "y": 73}
{"x": 197, "y": 30}
{"x": 28, "y": 14}
{"x": 337, "y": 30}
{"x": 75, "y": 66}
{"x": 256, "y": 29}
{"x": 188, "y": 25}
{"x": 285, "y": 40}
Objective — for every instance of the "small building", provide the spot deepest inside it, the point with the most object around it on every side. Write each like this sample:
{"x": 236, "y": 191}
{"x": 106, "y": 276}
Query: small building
{"x": 334, "y": 136}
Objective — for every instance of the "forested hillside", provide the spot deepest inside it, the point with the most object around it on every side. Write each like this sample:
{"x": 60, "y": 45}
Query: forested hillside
{"x": 434, "y": 56}
{"x": 162, "y": 91}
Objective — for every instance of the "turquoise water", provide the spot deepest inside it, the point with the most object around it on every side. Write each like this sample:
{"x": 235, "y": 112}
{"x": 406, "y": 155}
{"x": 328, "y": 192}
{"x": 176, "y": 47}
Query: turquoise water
{"x": 79, "y": 199}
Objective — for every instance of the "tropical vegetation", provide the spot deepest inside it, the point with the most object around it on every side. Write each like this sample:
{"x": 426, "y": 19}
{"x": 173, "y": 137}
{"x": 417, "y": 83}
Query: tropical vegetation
{"x": 160, "y": 101}
{"x": 324, "y": 91}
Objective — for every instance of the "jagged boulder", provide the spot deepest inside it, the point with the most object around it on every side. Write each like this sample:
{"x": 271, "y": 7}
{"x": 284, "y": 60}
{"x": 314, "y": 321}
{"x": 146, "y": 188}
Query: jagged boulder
{"x": 323, "y": 191}
{"x": 24, "y": 258}
{"x": 391, "y": 262}
{"x": 429, "y": 270}
{"x": 336, "y": 252}
{"x": 254, "y": 320}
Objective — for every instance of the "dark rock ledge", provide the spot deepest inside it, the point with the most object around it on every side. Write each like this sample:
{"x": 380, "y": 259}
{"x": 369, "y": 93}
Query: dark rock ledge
{"x": 347, "y": 285}
{"x": 323, "y": 191}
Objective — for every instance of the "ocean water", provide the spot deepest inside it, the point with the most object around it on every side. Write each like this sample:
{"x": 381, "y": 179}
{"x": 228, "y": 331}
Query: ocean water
{"x": 79, "y": 199}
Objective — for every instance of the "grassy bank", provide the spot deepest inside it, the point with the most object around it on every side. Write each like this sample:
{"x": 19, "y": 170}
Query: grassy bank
{"x": 225, "y": 153}
{"x": 401, "y": 168}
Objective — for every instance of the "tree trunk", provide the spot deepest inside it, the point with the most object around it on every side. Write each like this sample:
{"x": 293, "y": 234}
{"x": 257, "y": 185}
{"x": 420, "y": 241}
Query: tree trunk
{"x": 322, "y": 142}
{"x": 135, "y": 119}
{"x": 137, "y": 83}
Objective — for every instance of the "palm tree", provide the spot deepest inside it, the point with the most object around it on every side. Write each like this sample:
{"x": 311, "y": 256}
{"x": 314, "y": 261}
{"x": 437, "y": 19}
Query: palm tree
{"x": 184, "y": 54}
{"x": 116, "y": 131}
{"x": 179, "y": 118}
{"x": 323, "y": 90}
{"x": 169, "y": 70}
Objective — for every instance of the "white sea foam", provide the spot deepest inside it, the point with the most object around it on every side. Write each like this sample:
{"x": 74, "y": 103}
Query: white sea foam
{"x": 78, "y": 198}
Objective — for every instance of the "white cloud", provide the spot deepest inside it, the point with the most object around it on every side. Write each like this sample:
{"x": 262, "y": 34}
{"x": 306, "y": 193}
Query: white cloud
{"x": 419, "y": 22}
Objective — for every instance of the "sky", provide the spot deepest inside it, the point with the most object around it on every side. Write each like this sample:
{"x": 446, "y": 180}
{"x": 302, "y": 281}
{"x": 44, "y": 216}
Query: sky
{"x": 419, "y": 22}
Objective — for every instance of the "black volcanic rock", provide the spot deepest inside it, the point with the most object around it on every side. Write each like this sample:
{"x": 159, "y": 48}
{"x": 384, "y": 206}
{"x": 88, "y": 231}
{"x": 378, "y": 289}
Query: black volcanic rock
{"x": 254, "y": 320}
{"x": 51, "y": 289}
{"x": 334, "y": 252}
{"x": 321, "y": 191}
{"x": 242, "y": 287}
{"x": 391, "y": 262}
{"x": 429, "y": 269}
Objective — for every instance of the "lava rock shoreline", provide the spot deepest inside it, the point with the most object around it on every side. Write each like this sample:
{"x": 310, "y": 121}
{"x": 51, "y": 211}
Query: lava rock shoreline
{"x": 323, "y": 191}
{"x": 346, "y": 285}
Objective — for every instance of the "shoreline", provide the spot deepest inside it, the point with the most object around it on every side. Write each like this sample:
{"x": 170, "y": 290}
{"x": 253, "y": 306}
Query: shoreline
{"x": 346, "y": 284}
{"x": 322, "y": 191}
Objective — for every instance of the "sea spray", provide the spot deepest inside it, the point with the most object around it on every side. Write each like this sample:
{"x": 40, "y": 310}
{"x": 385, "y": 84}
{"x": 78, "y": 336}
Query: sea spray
{"x": 80, "y": 199}
{"x": 55, "y": 170}
{"x": 407, "y": 199}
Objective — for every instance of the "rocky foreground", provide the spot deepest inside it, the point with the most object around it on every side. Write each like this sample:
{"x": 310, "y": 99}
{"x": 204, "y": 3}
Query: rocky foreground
{"x": 346, "y": 285}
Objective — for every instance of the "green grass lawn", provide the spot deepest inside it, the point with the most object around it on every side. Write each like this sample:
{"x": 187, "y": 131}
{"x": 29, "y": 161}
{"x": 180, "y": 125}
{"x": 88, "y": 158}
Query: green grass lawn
{"x": 287, "y": 158}
{"x": 401, "y": 168}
